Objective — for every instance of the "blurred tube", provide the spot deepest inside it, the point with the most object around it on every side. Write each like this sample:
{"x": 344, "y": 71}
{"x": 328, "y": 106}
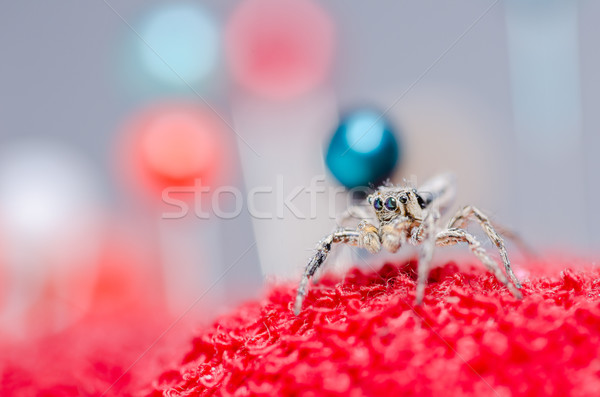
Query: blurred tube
{"x": 543, "y": 40}
{"x": 280, "y": 54}
{"x": 287, "y": 156}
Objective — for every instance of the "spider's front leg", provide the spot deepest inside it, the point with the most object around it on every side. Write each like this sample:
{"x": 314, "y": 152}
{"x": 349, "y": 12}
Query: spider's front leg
{"x": 426, "y": 235}
{"x": 468, "y": 213}
{"x": 455, "y": 236}
{"x": 365, "y": 236}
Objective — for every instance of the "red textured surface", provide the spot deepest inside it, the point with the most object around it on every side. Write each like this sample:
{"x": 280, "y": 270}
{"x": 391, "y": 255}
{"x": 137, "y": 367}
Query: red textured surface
{"x": 363, "y": 337}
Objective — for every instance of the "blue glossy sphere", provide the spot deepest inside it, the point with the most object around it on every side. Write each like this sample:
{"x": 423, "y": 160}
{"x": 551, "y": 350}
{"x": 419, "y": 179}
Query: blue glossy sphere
{"x": 363, "y": 149}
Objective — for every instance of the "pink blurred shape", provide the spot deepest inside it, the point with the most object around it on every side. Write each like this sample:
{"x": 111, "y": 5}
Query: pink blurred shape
{"x": 280, "y": 49}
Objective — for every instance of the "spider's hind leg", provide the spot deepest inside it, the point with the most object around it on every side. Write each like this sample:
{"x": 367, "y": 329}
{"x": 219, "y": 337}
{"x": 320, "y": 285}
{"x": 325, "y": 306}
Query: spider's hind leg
{"x": 455, "y": 236}
{"x": 472, "y": 213}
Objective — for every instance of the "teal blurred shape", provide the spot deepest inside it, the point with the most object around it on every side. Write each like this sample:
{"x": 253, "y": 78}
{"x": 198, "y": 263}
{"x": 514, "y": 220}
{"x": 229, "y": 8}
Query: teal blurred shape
{"x": 180, "y": 43}
{"x": 363, "y": 150}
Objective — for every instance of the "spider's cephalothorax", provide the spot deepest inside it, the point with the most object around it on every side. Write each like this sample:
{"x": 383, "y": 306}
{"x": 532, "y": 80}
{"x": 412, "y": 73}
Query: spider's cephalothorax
{"x": 405, "y": 215}
{"x": 390, "y": 203}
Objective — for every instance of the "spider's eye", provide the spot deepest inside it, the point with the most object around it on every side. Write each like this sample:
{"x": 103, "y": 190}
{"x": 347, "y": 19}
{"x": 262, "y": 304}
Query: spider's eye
{"x": 421, "y": 202}
{"x": 391, "y": 204}
{"x": 378, "y": 204}
{"x": 370, "y": 200}
{"x": 403, "y": 199}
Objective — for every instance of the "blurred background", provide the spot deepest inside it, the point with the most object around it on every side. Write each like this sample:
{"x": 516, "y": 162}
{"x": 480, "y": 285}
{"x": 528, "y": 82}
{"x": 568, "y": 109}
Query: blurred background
{"x": 117, "y": 116}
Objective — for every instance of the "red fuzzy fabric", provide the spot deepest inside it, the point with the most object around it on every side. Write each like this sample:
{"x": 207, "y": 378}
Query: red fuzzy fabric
{"x": 92, "y": 358}
{"x": 362, "y": 336}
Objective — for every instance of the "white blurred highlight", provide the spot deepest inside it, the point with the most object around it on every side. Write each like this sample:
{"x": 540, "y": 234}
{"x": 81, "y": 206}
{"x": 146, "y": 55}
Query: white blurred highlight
{"x": 49, "y": 211}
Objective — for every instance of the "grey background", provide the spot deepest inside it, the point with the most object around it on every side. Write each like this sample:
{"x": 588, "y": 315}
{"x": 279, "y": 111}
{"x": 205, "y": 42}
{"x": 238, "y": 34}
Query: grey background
{"x": 59, "y": 78}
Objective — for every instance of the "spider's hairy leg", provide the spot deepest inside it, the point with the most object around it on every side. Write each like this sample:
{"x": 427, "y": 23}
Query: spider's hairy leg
{"x": 425, "y": 255}
{"x": 464, "y": 215}
{"x": 365, "y": 236}
{"x": 455, "y": 236}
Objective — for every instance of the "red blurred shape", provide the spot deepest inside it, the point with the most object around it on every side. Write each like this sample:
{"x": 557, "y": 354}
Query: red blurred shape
{"x": 279, "y": 49}
{"x": 173, "y": 145}
{"x": 129, "y": 273}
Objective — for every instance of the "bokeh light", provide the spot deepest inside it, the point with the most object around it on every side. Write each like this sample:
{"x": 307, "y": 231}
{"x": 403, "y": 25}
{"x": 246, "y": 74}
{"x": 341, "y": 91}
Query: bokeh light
{"x": 174, "y": 145}
{"x": 180, "y": 44}
{"x": 279, "y": 49}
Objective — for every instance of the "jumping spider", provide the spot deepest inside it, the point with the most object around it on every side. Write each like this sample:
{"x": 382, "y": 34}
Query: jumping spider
{"x": 410, "y": 216}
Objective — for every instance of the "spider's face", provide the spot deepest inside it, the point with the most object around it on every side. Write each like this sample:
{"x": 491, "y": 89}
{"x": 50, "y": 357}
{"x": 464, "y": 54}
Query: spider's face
{"x": 390, "y": 203}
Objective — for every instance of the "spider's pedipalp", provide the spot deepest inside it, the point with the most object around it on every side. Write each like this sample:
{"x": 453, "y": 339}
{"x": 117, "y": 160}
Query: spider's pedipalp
{"x": 393, "y": 234}
{"x": 369, "y": 237}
